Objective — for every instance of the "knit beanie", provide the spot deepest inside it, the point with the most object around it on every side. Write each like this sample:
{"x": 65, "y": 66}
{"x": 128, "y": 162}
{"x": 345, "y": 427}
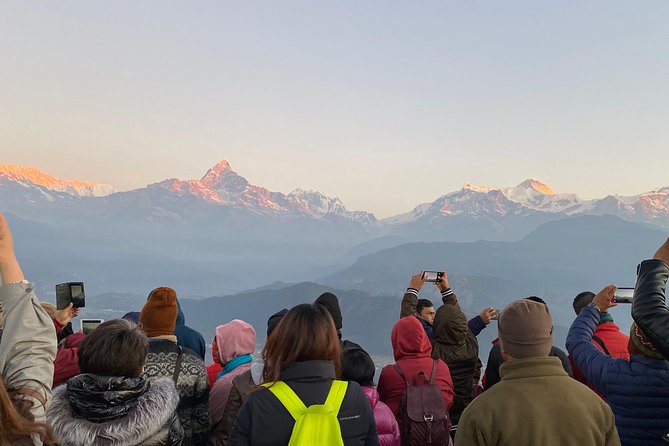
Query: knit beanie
{"x": 159, "y": 314}
{"x": 525, "y": 329}
{"x": 640, "y": 345}
{"x": 274, "y": 320}
{"x": 331, "y": 303}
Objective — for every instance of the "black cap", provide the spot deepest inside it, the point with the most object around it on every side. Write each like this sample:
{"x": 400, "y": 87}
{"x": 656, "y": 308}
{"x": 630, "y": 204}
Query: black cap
{"x": 331, "y": 303}
{"x": 274, "y": 320}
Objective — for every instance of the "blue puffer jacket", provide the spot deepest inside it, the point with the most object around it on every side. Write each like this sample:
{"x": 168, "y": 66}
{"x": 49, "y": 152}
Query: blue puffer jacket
{"x": 637, "y": 391}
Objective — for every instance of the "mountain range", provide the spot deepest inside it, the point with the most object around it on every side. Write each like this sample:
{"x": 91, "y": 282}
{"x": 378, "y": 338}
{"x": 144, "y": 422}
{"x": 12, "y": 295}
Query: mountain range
{"x": 221, "y": 234}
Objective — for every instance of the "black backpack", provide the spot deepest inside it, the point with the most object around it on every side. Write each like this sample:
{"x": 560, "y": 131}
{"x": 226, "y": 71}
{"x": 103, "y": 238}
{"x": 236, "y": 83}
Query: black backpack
{"x": 422, "y": 417}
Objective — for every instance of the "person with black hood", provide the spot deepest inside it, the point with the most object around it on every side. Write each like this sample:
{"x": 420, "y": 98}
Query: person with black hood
{"x": 187, "y": 337}
{"x": 331, "y": 303}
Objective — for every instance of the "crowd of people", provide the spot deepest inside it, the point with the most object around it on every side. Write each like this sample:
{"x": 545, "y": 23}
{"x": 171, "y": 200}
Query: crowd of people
{"x": 142, "y": 379}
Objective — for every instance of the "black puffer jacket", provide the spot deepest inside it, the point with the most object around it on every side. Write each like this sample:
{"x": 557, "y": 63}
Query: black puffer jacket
{"x": 115, "y": 411}
{"x": 263, "y": 420}
{"x": 649, "y": 308}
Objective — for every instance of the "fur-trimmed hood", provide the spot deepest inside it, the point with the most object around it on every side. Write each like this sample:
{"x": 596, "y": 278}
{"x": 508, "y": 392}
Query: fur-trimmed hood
{"x": 151, "y": 422}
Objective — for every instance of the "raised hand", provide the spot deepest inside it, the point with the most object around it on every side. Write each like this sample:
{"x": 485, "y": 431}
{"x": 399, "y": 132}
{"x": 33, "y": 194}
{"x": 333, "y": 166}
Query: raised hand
{"x": 604, "y": 299}
{"x": 417, "y": 281}
{"x": 9, "y": 267}
{"x": 663, "y": 252}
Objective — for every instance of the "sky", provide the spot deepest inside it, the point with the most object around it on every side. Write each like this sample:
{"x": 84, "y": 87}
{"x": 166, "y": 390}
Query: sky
{"x": 384, "y": 104}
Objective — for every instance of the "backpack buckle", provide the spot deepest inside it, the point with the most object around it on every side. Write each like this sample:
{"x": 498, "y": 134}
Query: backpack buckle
{"x": 428, "y": 418}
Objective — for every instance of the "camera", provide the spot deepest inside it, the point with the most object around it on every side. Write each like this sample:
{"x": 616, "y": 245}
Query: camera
{"x": 432, "y": 276}
{"x": 70, "y": 292}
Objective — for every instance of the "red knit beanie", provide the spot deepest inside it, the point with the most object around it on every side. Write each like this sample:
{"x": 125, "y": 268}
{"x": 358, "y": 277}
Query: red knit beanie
{"x": 159, "y": 315}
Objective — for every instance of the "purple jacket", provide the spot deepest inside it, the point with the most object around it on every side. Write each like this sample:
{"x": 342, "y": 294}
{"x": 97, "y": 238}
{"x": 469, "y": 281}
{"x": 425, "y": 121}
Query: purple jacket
{"x": 386, "y": 424}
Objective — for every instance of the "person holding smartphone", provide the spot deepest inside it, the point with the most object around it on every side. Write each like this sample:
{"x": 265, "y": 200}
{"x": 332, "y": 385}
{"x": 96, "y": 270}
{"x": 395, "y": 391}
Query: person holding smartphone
{"x": 637, "y": 390}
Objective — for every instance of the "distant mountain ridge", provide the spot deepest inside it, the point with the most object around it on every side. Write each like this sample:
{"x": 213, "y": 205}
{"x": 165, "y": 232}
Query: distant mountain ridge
{"x": 33, "y": 176}
{"x": 221, "y": 186}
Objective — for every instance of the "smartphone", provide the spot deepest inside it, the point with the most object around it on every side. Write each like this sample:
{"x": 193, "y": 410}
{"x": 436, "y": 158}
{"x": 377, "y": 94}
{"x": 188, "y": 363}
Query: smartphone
{"x": 70, "y": 292}
{"x": 88, "y": 325}
{"x": 432, "y": 276}
{"x": 624, "y": 295}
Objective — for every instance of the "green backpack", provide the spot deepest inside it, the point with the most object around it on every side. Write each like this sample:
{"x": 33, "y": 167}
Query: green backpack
{"x": 316, "y": 425}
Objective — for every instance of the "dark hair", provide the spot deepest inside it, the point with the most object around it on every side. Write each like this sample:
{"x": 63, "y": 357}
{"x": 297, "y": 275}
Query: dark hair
{"x": 582, "y": 300}
{"x": 423, "y": 303}
{"x": 17, "y": 421}
{"x": 536, "y": 299}
{"x": 357, "y": 366}
{"x": 306, "y": 333}
{"x": 115, "y": 348}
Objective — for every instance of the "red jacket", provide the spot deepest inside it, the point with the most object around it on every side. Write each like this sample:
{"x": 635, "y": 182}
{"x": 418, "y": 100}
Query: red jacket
{"x": 412, "y": 351}
{"x": 615, "y": 342}
{"x": 214, "y": 369}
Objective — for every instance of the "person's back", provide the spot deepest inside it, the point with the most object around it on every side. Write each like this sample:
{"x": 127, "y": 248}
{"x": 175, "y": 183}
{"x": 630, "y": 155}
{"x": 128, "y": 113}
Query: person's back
{"x": 358, "y": 366}
{"x": 110, "y": 403}
{"x": 187, "y": 337}
{"x": 303, "y": 353}
{"x": 495, "y": 361}
{"x": 607, "y": 337}
{"x": 536, "y": 402}
{"x": 236, "y": 342}
{"x": 167, "y": 359}
{"x": 638, "y": 390}
{"x": 412, "y": 350}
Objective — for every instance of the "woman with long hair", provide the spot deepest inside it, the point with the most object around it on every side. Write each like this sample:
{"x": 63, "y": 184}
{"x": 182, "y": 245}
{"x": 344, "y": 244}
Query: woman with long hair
{"x": 302, "y": 357}
{"x": 27, "y": 352}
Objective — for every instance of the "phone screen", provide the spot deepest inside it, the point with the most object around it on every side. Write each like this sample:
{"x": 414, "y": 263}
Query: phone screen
{"x": 430, "y": 276}
{"x": 88, "y": 325}
{"x": 624, "y": 295}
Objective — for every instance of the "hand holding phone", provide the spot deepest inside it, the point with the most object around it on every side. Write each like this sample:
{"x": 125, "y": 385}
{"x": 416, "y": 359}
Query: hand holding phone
{"x": 70, "y": 293}
{"x": 604, "y": 299}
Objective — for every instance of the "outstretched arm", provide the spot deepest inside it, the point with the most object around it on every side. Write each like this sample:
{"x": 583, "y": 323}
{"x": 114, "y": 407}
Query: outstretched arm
{"x": 28, "y": 345}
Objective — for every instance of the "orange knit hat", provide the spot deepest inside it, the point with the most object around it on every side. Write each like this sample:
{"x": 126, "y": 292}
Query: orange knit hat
{"x": 159, "y": 315}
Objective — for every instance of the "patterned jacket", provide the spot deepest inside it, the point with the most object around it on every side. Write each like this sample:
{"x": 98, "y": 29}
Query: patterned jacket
{"x": 192, "y": 386}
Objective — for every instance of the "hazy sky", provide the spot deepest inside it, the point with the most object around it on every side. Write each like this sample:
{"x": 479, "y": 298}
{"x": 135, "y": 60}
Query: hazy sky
{"x": 386, "y": 104}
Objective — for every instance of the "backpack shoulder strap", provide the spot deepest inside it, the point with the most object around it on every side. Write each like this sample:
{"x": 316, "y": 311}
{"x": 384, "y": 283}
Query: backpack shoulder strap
{"x": 336, "y": 396}
{"x": 598, "y": 340}
{"x": 400, "y": 372}
{"x": 288, "y": 398}
{"x": 177, "y": 366}
{"x": 433, "y": 377}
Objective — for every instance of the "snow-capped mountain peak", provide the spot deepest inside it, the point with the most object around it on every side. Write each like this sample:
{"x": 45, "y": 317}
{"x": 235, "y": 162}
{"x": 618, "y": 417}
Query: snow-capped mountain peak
{"x": 32, "y": 176}
{"x": 537, "y": 186}
{"x": 479, "y": 187}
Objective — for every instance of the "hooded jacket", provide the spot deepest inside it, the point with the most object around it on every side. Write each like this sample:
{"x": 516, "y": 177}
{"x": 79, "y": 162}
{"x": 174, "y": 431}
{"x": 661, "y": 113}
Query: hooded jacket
{"x": 264, "y": 421}
{"x": 234, "y": 339}
{"x": 412, "y": 351}
{"x": 386, "y": 424}
{"x": 115, "y": 411}
{"x": 456, "y": 345}
{"x": 187, "y": 337}
{"x": 649, "y": 308}
{"x": 637, "y": 391}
